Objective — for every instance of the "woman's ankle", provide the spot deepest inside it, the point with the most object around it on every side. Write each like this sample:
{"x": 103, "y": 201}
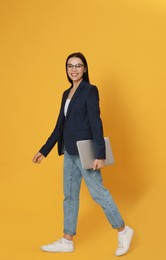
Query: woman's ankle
{"x": 68, "y": 237}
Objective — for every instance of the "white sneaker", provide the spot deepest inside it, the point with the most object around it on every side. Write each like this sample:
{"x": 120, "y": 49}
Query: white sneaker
{"x": 59, "y": 246}
{"x": 124, "y": 241}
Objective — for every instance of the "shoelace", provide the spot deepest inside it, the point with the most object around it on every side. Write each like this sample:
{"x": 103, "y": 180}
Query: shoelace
{"x": 120, "y": 242}
{"x": 56, "y": 242}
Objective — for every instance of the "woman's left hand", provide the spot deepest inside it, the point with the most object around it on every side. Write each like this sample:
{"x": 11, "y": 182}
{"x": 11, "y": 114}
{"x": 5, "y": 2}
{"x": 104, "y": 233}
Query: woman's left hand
{"x": 98, "y": 164}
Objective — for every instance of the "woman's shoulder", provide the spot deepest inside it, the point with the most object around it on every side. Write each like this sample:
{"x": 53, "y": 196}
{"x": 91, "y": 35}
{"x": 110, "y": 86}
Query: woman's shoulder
{"x": 90, "y": 87}
{"x": 66, "y": 91}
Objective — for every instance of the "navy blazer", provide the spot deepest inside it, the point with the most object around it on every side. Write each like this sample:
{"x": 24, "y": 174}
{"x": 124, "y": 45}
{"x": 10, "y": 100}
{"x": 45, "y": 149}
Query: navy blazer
{"x": 81, "y": 122}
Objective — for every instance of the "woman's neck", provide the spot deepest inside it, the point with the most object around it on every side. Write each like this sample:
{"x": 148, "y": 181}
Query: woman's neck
{"x": 76, "y": 83}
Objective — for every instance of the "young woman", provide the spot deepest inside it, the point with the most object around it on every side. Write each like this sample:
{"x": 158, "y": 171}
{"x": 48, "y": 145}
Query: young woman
{"x": 79, "y": 119}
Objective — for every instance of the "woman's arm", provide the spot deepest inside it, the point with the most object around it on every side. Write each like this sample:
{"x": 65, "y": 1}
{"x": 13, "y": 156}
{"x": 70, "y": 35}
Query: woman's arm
{"x": 95, "y": 121}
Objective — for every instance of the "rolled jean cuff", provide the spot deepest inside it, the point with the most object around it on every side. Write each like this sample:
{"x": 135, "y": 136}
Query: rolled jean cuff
{"x": 69, "y": 233}
{"x": 118, "y": 227}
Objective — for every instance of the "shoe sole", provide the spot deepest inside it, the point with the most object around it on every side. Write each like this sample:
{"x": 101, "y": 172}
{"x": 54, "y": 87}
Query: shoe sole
{"x": 58, "y": 251}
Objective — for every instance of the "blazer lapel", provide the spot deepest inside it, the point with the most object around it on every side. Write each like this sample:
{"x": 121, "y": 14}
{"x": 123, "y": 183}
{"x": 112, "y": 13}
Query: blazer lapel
{"x": 74, "y": 97}
{"x": 65, "y": 97}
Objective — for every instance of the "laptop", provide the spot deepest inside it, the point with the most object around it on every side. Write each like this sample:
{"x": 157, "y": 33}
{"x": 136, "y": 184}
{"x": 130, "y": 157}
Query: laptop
{"x": 86, "y": 150}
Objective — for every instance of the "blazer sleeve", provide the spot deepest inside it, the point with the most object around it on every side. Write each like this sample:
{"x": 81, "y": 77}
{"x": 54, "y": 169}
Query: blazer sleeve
{"x": 95, "y": 121}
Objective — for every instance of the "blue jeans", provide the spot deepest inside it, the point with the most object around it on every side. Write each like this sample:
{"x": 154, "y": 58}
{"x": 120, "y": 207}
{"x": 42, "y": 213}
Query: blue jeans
{"x": 73, "y": 174}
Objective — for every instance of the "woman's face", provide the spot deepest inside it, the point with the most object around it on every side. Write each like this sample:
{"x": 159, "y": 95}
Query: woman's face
{"x": 75, "y": 69}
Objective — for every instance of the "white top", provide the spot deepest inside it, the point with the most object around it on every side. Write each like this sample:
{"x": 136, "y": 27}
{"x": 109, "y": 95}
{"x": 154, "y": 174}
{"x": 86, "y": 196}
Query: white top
{"x": 66, "y": 106}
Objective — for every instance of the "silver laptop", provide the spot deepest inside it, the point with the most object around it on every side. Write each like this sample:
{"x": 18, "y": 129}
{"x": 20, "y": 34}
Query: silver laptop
{"x": 86, "y": 150}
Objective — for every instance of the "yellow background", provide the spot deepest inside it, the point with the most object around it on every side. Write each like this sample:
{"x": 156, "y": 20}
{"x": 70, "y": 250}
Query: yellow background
{"x": 125, "y": 45}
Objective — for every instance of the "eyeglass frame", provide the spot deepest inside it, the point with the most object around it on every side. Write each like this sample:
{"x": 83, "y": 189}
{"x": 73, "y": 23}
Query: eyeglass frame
{"x": 76, "y": 66}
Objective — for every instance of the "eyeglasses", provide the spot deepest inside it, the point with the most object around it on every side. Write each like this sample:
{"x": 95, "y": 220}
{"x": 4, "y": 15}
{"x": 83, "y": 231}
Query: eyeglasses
{"x": 77, "y": 66}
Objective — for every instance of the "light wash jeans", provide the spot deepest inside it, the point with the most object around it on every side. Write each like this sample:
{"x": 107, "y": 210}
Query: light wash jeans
{"x": 73, "y": 174}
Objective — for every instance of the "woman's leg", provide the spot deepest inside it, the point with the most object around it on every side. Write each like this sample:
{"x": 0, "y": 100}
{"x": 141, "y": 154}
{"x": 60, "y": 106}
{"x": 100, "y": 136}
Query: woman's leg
{"x": 72, "y": 183}
{"x": 102, "y": 196}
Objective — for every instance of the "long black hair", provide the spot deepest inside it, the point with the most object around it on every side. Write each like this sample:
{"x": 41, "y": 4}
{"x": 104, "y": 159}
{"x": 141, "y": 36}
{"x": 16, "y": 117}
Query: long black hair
{"x": 82, "y": 57}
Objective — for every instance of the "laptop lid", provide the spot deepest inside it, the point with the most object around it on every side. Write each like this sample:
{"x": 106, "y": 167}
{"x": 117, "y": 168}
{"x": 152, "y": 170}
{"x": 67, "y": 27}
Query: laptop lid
{"x": 86, "y": 150}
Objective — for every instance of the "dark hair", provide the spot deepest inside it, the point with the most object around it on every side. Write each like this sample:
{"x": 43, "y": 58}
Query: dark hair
{"x": 80, "y": 56}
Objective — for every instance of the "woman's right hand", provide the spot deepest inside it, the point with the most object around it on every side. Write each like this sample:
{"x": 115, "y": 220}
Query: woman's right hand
{"x": 38, "y": 158}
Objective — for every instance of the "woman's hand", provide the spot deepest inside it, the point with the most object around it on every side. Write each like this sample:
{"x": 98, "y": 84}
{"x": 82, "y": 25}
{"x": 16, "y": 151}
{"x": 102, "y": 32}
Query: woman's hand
{"x": 98, "y": 164}
{"x": 38, "y": 158}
